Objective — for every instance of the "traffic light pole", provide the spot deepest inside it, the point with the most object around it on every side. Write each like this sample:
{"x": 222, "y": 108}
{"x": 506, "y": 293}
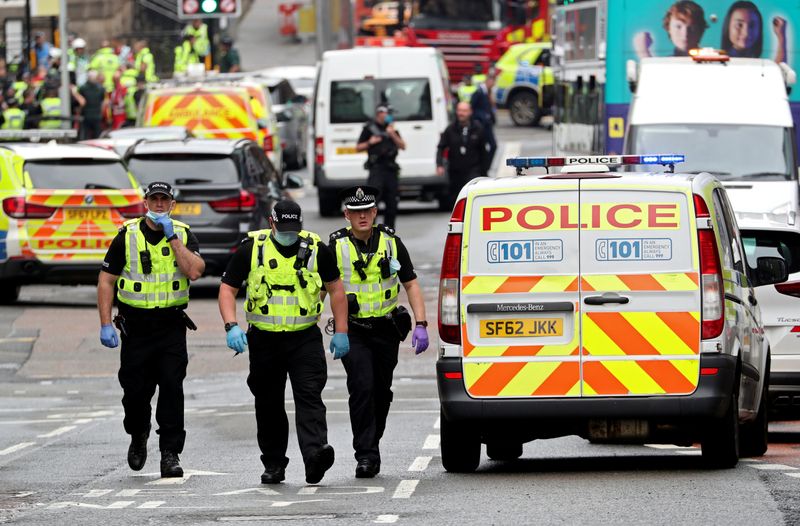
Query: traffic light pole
{"x": 64, "y": 91}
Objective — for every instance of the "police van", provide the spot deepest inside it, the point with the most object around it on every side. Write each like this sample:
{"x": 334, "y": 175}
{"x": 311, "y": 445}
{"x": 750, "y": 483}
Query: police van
{"x": 613, "y": 306}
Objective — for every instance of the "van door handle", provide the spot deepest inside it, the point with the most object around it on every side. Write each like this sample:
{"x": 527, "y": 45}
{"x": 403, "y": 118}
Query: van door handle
{"x": 418, "y": 127}
{"x": 608, "y": 297}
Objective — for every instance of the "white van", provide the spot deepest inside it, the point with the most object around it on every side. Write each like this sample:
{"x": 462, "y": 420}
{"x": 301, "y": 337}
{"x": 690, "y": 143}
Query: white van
{"x": 731, "y": 117}
{"x": 350, "y": 84}
{"x": 610, "y": 306}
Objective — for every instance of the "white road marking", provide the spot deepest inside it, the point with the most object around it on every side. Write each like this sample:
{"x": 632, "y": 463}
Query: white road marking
{"x": 15, "y": 448}
{"x": 118, "y": 505}
{"x": 56, "y": 432}
{"x": 172, "y": 481}
{"x": 33, "y": 421}
{"x": 420, "y": 464}
{"x": 95, "y": 493}
{"x": 73, "y": 391}
{"x": 405, "y": 489}
{"x": 431, "y": 442}
{"x": 773, "y": 467}
{"x": 20, "y": 391}
{"x": 386, "y": 519}
{"x": 11, "y": 366}
{"x": 438, "y": 423}
{"x": 339, "y": 490}
{"x": 285, "y": 503}
{"x": 511, "y": 149}
{"x": 150, "y": 504}
{"x": 262, "y": 491}
{"x": 793, "y": 475}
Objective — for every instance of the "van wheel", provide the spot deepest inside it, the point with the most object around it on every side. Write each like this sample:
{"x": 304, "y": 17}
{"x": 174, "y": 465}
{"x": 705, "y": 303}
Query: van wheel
{"x": 720, "y": 443}
{"x": 754, "y": 436}
{"x": 524, "y": 109}
{"x": 328, "y": 203}
{"x": 9, "y": 293}
{"x": 504, "y": 450}
{"x": 461, "y": 448}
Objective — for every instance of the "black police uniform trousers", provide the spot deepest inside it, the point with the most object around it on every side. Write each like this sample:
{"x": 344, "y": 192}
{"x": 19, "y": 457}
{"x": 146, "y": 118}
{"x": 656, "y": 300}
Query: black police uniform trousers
{"x": 154, "y": 354}
{"x": 301, "y": 356}
{"x": 370, "y": 365}
{"x": 386, "y": 179}
{"x": 458, "y": 178}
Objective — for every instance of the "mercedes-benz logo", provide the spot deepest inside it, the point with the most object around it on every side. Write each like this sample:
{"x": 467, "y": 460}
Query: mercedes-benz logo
{"x": 88, "y": 199}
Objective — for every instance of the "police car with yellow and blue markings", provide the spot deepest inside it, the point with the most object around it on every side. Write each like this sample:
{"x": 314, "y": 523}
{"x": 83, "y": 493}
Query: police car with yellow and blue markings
{"x": 525, "y": 82}
{"x": 611, "y": 305}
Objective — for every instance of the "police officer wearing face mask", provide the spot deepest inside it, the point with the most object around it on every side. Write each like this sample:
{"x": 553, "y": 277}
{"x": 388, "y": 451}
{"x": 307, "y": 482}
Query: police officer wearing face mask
{"x": 285, "y": 269}
{"x": 382, "y": 142}
{"x": 374, "y": 262}
{"x": 151, "y": 262}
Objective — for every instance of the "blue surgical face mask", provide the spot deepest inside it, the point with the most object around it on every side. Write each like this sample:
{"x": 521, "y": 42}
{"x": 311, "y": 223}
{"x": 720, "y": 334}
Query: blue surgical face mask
{"x": 285, "y": 238}
{"x": 389, "y": 119}
{"x": 155, "y": 216}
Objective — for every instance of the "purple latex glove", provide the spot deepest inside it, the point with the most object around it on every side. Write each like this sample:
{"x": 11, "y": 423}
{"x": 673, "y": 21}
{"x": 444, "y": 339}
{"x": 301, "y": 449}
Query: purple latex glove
{"x": 419, "y": 340}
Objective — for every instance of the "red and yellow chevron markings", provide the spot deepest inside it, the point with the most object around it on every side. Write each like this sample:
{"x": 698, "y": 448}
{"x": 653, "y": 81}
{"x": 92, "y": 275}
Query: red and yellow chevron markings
{"x": 522, "y": 379}
{"x": 513, "y": 284}
{"x": 676, "y": 281}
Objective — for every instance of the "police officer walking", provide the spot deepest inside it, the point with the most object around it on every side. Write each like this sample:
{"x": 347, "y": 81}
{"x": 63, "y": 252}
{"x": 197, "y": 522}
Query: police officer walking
{"x": 381, "y": 142}
{"x": 151, "y": 261}
{"x": 374, "y": 262}
{"x": 466, "y": 146}
{"x": 285, "y": 269}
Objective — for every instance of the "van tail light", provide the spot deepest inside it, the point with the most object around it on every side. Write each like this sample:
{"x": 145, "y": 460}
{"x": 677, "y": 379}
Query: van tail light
{"x": 17, "y": 208}
{"x": 131, "y": 211}
{"x": 791, "y": 288}
{"x": 710, "y": 276}
{"x": 269, "y": 147}
{"x": 319, "y": 151}
{"x": 246, "y": 202}
{"x": 449, "y": 318}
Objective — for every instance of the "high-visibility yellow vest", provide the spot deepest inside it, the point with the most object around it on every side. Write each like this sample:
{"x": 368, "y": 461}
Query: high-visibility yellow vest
{"x": 13, "y": 119}
{"x": 51, "y": 107}
{"x": 376, "y": 295}
{"x": 106, "y": 62}
{"x": 184, "y": 55}
{"x": 280, "y": 297}
{"x": 145, "y": 56}
{"x": 165, "y": 285}
{"x": 19, "y": 88}
{"x": 202, "y": 45}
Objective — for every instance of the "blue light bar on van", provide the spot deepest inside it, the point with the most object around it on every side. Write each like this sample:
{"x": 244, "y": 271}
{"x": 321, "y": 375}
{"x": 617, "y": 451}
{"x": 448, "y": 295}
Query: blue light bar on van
{"x": 608, "y": 160}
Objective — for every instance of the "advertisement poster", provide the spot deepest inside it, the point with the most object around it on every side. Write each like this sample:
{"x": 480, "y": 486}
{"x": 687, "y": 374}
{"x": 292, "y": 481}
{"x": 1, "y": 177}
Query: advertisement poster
{"x": 661, "y": 28}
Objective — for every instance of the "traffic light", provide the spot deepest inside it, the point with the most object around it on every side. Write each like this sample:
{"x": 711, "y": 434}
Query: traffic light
{"x": 209, "y": 8}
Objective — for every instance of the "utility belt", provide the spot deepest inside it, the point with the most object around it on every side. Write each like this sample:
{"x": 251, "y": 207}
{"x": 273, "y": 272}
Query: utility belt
{"x": 399, "y": 320}
{"x": 381, "y": 162}
{"x": 137, "y": 323}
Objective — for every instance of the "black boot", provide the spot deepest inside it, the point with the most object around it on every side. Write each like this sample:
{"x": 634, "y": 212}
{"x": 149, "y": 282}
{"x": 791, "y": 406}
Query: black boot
{"x": 137, "y": 451}
{"x": 170, "y": 465}
{"x": 274, "y": 472}
{"x": 367, "y": 469}
{"x": 320, "y": 462}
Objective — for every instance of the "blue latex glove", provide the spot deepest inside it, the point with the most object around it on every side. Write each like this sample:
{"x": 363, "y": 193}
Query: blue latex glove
{"x": 166, "y": 224}
{"x": 237, "y": 339}
{"x": 340, "y": 345}
{"x": 420, "y": 340}
{"x": 108, "y": 336}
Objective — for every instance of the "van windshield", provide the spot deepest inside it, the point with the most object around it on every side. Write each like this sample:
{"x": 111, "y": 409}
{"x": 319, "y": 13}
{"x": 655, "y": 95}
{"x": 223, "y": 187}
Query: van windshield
{"x": 355, "y": 100}
{"x": 731, "y": 152}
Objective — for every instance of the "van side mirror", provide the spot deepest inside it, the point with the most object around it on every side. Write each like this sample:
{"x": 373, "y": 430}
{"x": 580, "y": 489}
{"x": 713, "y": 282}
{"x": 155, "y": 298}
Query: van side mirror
{"x": 263, "y": 124}
{"x": 769, "y": 270}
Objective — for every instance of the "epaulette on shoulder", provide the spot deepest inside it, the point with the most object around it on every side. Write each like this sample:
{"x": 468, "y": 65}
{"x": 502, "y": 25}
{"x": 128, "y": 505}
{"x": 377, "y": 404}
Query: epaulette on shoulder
{"x": 387, "y": 230}
{"x": 342, "y": 232}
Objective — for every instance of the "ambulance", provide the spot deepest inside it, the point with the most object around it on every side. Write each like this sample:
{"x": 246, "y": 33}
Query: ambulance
{"x": 614, "y": 306}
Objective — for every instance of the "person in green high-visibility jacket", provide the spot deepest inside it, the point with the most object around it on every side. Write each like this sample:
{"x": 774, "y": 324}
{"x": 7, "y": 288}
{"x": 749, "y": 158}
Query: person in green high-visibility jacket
{"x": 144, "y": 61}
{"x": 150, "y": 263}
{"x": 13, "y": 117}
{"x": 285, "y": 269}
{"x": 199, "y": 30}
{"x": 51, "y": 117}
{"x": 185, "y": 55}
{"x": 374, "y": 263}
{"x": 106, "y": 62}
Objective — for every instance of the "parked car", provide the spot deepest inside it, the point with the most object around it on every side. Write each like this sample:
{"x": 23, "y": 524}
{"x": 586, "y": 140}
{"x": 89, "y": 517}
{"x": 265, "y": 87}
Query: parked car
{"x": 225, "y": 188}
{"x": 292, "y": 121}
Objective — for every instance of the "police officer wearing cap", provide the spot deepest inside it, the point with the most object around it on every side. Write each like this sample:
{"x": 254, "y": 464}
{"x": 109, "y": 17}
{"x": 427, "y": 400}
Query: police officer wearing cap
{"x": 382, "y": 143}
{"x": 151, "y": 262}
{"x": 285, "y": 268}
{"x": 374, "y": 262}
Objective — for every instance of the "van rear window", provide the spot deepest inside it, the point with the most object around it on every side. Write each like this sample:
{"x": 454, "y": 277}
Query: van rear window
{"x": 355, "y": 100}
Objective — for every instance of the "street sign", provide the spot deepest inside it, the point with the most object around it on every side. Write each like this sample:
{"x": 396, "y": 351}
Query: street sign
{"x": 188, "y": 9}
